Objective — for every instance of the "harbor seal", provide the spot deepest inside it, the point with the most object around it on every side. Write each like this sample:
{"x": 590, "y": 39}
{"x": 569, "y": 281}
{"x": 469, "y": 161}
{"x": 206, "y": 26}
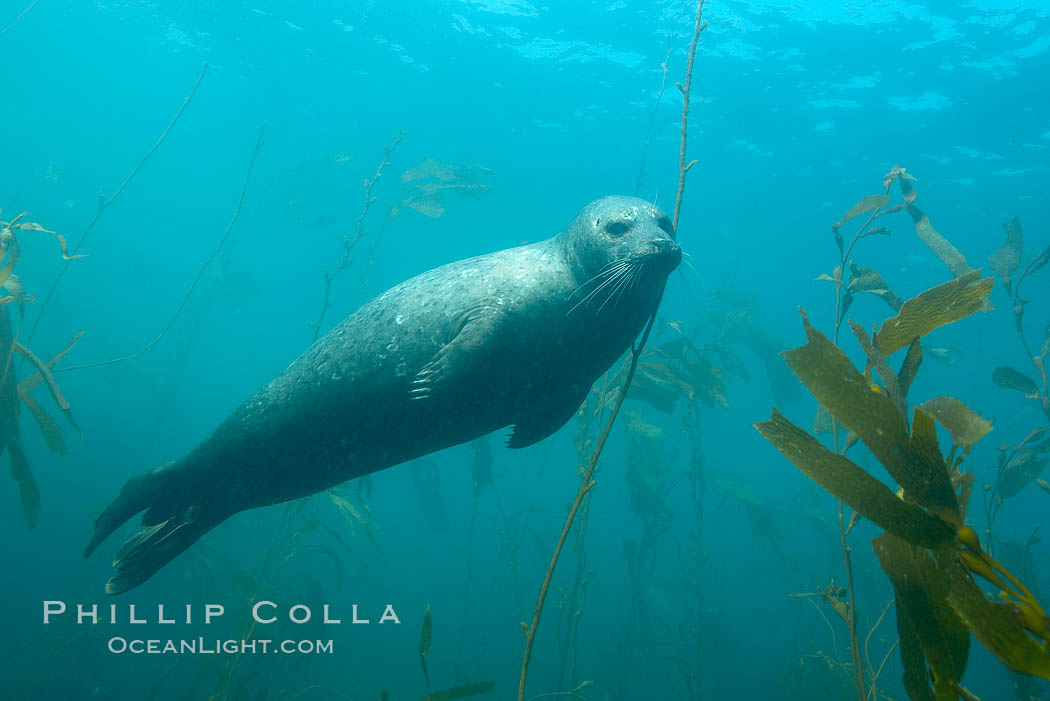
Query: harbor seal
{"x": 516, "y": 337}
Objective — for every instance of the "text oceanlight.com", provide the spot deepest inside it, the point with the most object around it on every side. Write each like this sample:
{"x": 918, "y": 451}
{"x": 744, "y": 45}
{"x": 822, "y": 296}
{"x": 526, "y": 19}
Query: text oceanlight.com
{"x": 201, "y": 646}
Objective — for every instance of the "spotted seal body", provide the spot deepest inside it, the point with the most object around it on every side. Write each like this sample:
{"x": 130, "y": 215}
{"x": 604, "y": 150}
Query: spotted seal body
{"x": 511, "y": 338}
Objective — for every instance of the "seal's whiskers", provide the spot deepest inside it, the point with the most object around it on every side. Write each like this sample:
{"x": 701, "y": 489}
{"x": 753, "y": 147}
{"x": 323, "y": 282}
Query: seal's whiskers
{"x": 624, "y": 279}
{"x": 609, "y": 269}
{"x": 612, "y": 277}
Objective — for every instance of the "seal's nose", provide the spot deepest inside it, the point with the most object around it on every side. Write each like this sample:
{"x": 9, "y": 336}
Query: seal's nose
{"x": 666, "y": 250}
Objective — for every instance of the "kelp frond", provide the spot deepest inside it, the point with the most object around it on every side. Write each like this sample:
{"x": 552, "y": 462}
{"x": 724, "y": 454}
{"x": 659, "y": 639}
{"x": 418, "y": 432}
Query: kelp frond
{"x": 927, "y": 550}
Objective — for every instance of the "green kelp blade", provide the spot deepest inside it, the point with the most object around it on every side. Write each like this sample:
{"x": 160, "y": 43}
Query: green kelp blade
{"x": 966, "y": 426}
{"x": 851, "y": 484}
{"x": 51, "y": 431}
{"x": 941, "y": 246}
{"x": 910, "y": 366}
{"x": 426, "y": 633}
{"x": 871, "y": 414}
{"x": 921, "y": 591}
{"x": 871, "y": 281}
{"x": 462, "y": 692}
{"x": 932, "y": 309}
{"x": 656, "y": 395}
{"x": 916, "y": 676}
{"x": 878, "y": 361}
{"x": 1012, "y": 378}
{"x": 868, "y": 203}
{"x": 1021, "y": 471}
{"x": 28, "y": 491}
{"x": 999, "y": 626}
{"x": 1006, "y": 260}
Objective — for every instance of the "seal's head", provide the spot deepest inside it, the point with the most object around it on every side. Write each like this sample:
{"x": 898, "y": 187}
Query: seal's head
{"x": 616, "y": 240}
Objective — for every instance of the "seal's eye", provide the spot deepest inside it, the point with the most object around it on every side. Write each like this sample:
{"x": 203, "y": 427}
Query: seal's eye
{"x": 665, "y": 224}
{"x": 616, "y": 228}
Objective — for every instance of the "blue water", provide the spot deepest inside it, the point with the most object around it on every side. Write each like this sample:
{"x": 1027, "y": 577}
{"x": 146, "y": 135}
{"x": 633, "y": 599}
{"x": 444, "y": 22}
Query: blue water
{"x": 798, "y": 111}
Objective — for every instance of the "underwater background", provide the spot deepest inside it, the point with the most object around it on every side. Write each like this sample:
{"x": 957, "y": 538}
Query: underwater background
{"x": 678, "y": 576}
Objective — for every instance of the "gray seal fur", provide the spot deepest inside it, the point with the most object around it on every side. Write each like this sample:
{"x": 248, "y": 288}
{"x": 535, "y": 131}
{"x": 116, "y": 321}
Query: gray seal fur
{"x": 516, "y": 337}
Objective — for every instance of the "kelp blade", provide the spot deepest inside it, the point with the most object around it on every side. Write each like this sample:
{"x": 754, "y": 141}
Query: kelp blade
{"x": 965, "y": 425}
{"x": 850, "y": 483}
{"x": 874, "y": 417}
{"x": 997, "y": 625}
{"x": 921, "y": 591}
{"x": 934, "y": 308}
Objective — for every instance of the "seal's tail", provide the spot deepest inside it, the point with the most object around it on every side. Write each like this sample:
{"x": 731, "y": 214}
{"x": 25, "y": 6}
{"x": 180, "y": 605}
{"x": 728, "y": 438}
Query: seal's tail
{"x": 169, "y": 528}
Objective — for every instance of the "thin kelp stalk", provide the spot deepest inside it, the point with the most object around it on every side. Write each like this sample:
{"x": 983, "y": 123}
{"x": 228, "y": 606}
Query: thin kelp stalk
{"x": 697, "y": 491}
{"x": 685, "y": 87}
{"x": 591, "y": 419}
{"x": 876, "y": 204}
{"x": 585, "y": 487}
{"x": 359, "y": 233}
{"x": 196, "y": 278}
{"x": 586, "y": 484}
{"x": 104, "y": 204}
{"x": 18, "y": 17}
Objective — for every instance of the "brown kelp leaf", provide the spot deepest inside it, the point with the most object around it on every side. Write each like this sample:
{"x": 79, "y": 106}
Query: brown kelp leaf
{"x": 50, "y": 430}
{"x": 28, "y": 491}
{"x": 822, "y": 421}
{"x": 904, "y": 179}
{"x": 1005, "y": 261}
{"x": 1017, "y": 474}
{"x": 462, "y": 692}
{"x": 427, "y": 207}
{"x": 426, "y": 184}
{"x": 932, "y": 309}
{"x": 872, "y": 415}
{"x": 999, "y": 626}
{"x": 921, "y": 590}
{"x": 656, "y": 395}
{"x": 916, "y": 677}
{"x": 910, "y": 366}
{"x": 943, "y": 248}
{"x": 426, "y": 633}
{"x": 1011, "y": 378}
{"x": 33, "y": 380}
{"x": 8, "y": 248}
{"x": 871, "y": 281}
{"x": 851, "y": 484}
{"x": 866, "y": 204}
{"x": 52, "y": 385}
{"x": 13, "y": 285}
{"x": 878, "y": 361}
{"x": 965, "y": 425}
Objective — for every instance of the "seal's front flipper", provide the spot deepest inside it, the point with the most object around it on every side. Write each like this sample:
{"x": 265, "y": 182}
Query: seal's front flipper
{"x": 470, "y": 349}
{"x": 543, "y": 420}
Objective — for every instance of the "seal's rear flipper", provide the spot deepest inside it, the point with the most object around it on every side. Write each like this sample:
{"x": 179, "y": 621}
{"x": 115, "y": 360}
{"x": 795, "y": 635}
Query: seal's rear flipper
{"x": 138, "y": 494}
{"x": 154, "y": 546}
{"x": 170, "y": 525}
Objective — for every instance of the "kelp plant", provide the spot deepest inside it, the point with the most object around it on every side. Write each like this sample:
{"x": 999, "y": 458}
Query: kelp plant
{"x": 13, "y": 394}
{"x": 1019, "y": 465}
{"x": 927, "y": 550}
